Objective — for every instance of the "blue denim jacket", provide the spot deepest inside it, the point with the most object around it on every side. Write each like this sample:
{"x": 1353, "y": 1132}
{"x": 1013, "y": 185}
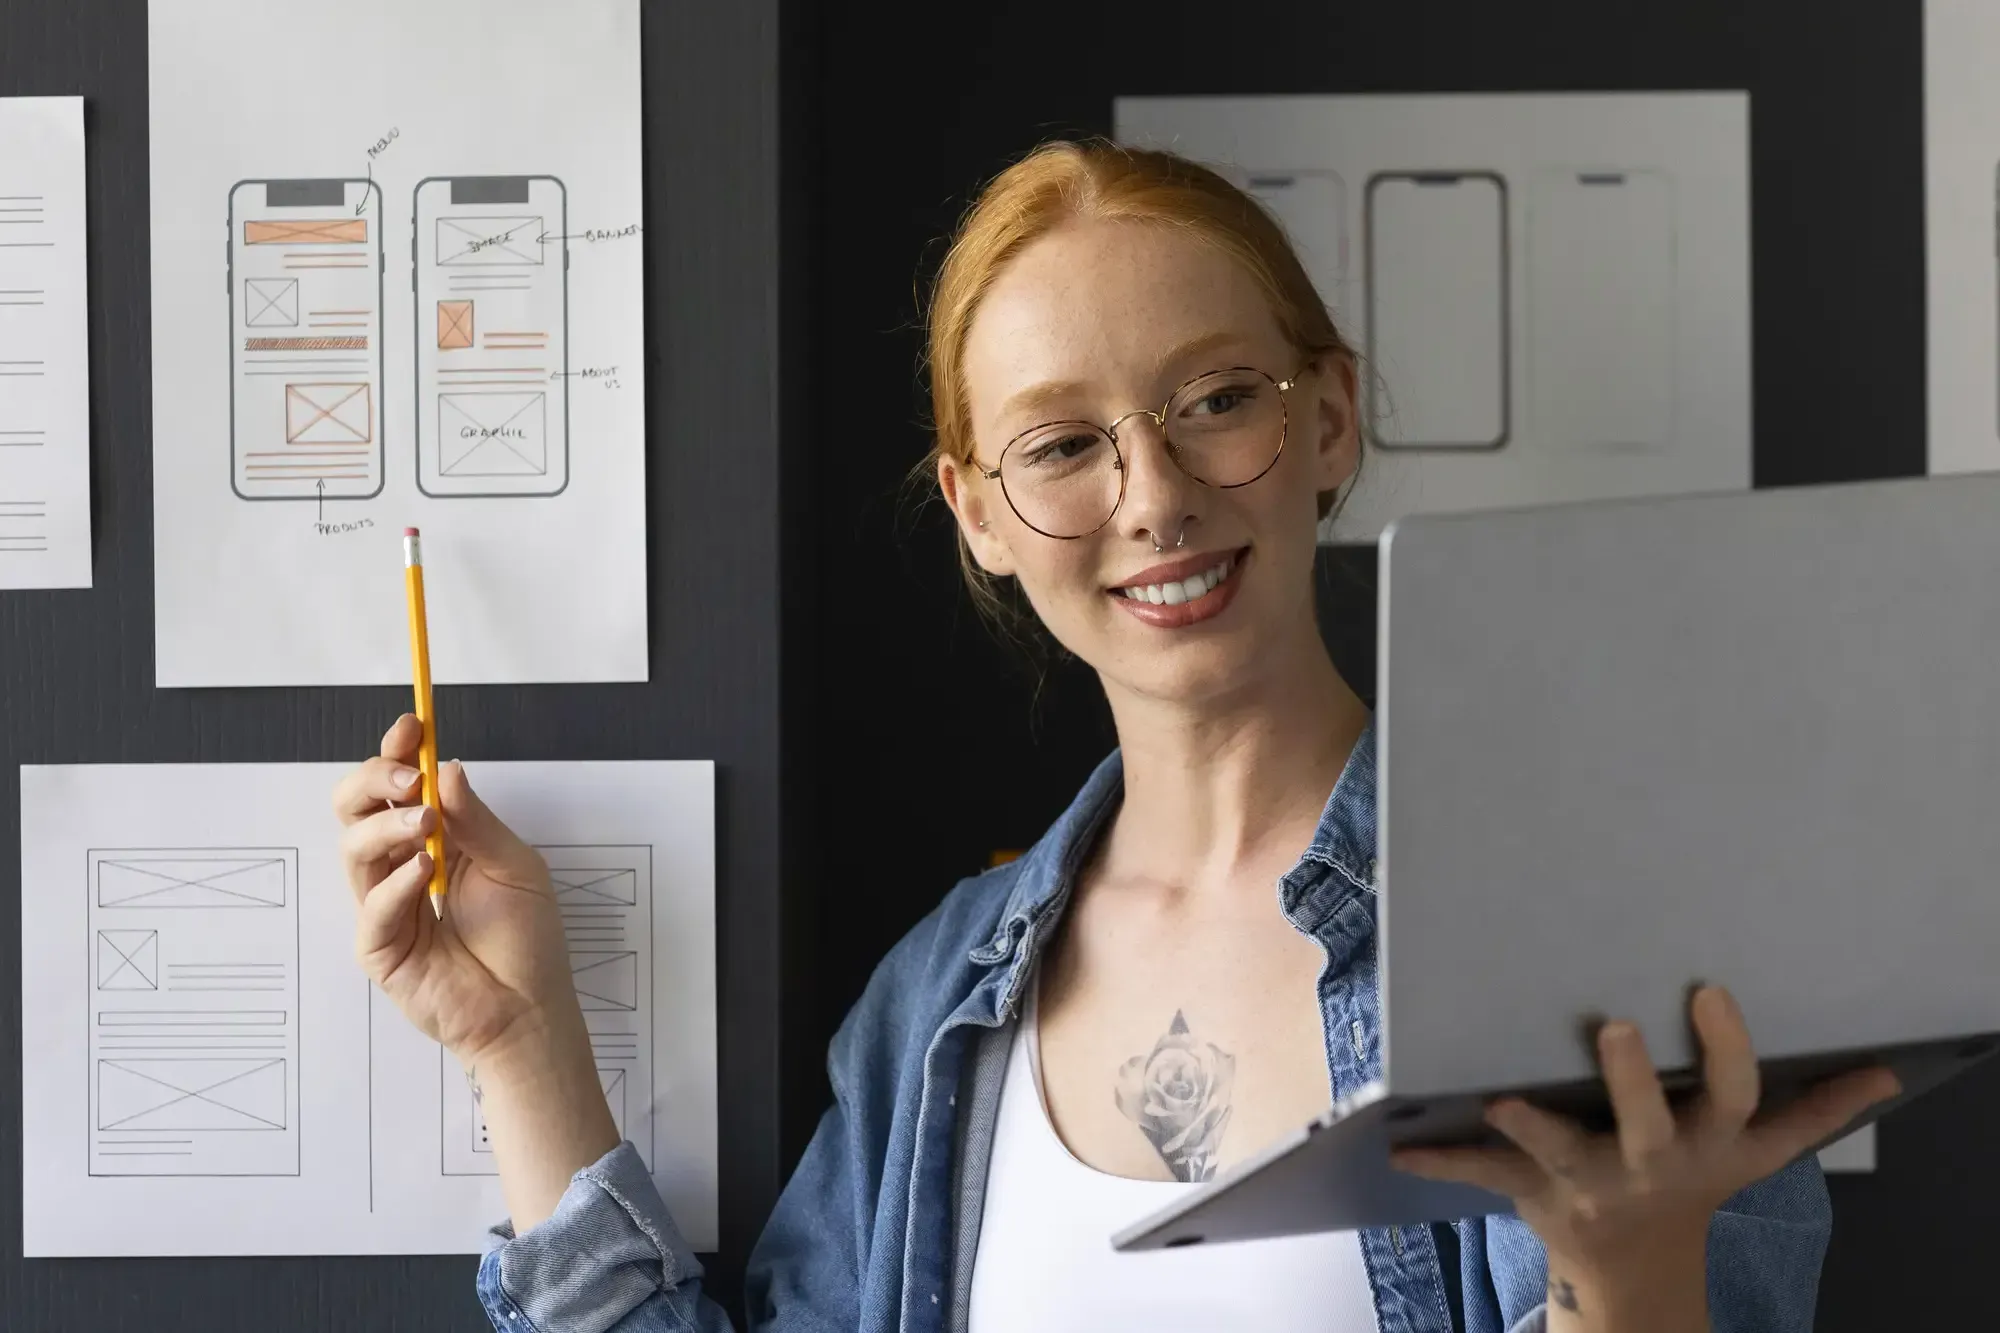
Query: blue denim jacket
{"x": 876, "y": 1229}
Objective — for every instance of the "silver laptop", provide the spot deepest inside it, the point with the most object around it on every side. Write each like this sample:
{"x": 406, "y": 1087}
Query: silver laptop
{"x": 1626, "y": 747}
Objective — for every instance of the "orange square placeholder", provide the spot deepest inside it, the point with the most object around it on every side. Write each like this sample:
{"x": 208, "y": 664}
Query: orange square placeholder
{"x": 454, "y": 325}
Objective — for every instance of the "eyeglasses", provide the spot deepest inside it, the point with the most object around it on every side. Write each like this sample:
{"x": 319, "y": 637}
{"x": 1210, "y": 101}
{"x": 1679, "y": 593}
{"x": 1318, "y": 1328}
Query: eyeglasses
{"x": 1224, "y": 429}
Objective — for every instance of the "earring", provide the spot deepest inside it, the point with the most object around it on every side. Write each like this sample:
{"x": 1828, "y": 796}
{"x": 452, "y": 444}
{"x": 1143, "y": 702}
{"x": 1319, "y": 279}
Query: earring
{"x": 982, "y": 525}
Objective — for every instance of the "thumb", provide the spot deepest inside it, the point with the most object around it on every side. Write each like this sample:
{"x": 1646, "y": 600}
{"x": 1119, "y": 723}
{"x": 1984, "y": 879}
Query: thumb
{"x": 471, "y": 828}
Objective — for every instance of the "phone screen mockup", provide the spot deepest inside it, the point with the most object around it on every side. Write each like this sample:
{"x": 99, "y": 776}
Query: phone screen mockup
{"x": 1601, "y": 307}
{"x": 305, "y": 339}
{"x": 1312, "y": 208}
{"x": 492, "y": 336}
{"x": 1437, "y": 257}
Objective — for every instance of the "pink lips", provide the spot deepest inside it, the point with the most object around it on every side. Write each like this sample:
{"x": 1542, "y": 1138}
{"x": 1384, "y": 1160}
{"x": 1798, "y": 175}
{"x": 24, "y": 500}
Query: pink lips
{"x": 1206, "y": 607}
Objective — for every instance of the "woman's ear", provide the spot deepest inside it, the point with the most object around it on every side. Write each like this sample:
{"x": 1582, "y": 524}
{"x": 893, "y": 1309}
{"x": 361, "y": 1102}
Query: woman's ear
{"x": 968, "y": 495}
{"x": 1336, "y": 423}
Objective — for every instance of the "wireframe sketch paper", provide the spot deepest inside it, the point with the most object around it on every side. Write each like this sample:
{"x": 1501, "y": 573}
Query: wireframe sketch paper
{"x": 44, "y": 346}
{"x": 1551, "y": 292}
{"x": 1962, "y": 234}
{"x": 199, "y": 1044}
{"x": 427, "y": 309}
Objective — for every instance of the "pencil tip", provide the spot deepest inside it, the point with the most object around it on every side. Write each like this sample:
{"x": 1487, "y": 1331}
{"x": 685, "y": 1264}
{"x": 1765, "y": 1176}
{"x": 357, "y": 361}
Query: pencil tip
{"x": 437, "y": 905}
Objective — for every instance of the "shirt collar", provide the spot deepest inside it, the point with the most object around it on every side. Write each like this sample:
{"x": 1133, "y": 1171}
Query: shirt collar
{"x": 1343, "y": 840}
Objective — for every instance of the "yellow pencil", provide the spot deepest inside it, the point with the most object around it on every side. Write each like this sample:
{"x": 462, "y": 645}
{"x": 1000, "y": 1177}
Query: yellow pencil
{"x": 427, "y": 750}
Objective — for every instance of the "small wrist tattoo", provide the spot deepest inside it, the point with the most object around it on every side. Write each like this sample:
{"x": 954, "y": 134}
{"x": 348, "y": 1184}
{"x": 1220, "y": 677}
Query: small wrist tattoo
{"x": 1562, "y": 1295}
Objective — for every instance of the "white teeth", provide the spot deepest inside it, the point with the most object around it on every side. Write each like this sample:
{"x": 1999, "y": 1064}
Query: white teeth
{"x": 1185, "y": 590}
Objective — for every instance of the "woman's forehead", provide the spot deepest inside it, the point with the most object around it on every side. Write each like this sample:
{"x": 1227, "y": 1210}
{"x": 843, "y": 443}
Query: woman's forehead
{"x": 1106, "y": 299}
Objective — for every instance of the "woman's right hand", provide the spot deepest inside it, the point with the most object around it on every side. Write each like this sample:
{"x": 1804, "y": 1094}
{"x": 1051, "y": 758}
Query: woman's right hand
{"x": 496, "y": 965}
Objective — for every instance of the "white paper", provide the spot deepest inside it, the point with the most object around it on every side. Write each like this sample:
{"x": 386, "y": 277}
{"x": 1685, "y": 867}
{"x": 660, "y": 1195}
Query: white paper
{"x": 398, "y": 281}
{"x": 1961, "y": 241}
{"x": 206, "y": 1071}
{"x": 44, "y": 347}
{"x": 1552, "y": 291}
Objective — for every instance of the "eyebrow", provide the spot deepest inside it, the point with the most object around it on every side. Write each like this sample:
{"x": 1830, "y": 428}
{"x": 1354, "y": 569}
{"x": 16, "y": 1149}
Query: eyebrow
{"x": 1037, "y": 396}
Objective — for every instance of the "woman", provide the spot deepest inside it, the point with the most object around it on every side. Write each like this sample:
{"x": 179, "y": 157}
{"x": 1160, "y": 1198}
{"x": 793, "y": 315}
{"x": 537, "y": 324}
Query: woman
{"x": 1133, "y": 969}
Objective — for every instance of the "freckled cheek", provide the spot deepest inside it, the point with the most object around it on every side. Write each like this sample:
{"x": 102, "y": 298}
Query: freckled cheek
{"x": 1060, "y": 584}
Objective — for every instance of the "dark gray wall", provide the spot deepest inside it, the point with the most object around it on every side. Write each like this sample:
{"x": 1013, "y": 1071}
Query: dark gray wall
{"x": 936, "y": 748}
{"x": 76, "y": 668}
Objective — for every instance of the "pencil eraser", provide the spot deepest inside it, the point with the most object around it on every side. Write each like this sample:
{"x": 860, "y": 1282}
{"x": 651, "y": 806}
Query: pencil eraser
{"x": 410, "y": 532}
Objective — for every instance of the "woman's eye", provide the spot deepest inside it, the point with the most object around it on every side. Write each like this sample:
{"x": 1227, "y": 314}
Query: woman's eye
{"x": 1222, "y": 401}
{"x": 1061, "y": 451}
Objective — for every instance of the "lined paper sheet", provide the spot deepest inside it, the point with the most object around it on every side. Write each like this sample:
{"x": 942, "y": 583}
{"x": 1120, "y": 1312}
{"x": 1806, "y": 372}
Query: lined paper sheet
{"x": 206, "y": 1071}
{"x": 44, "y": 348}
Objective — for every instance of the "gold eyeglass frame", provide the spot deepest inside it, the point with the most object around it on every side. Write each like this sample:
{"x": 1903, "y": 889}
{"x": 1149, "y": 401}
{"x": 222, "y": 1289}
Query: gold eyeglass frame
{"x": 1159, "y": 418}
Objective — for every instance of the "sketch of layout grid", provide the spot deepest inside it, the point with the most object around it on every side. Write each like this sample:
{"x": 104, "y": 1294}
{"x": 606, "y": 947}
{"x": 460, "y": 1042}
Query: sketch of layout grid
{"x": 188, "y": 1095}
{"x": 594, "y": 885}
{"x": 180, "y": 878}
{"x": 599, "y": 881}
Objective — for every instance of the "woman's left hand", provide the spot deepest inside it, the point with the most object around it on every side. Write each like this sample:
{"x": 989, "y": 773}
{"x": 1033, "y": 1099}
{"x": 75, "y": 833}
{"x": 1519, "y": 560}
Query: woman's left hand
{"x": 1624, "y": 1216}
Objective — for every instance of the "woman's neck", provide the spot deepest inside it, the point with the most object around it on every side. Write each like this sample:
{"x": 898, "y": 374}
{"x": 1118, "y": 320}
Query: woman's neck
{"x": 1216, "y": 793}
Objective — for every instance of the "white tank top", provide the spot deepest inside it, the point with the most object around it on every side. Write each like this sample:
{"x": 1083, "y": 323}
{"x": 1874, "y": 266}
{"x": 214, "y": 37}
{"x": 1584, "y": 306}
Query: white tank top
{"x": 1045, "y": 1262}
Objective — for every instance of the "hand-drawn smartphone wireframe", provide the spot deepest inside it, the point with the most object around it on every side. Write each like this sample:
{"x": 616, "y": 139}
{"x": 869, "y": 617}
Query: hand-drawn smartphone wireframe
{"x": 1311, "y": 205}
{"x": 305, "y": 339}
{"x": 194, "y": 1044}
{"x": 604, "y": 894}
{"x": 1601, "y": 285}
{"x": 1436, "y": 258}
{"x": 492, "y": 334}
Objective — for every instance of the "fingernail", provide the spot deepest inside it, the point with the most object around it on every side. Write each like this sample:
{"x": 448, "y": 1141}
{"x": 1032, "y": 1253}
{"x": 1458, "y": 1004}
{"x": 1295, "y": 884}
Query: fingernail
{"x": 1620, "y": 1033}
{"x": 403, "y": 777}
{"x": 415, "y": 815}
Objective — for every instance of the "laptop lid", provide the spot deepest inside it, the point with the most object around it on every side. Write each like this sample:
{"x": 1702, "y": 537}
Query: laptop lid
{"x": 1750, "y": 738}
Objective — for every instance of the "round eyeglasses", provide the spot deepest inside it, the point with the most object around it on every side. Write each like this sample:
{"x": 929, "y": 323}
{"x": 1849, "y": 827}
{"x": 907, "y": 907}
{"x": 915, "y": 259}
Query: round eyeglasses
{"x": 1224, "y": 429}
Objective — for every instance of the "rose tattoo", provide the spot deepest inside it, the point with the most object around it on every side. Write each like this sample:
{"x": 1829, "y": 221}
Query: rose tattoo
{"x": 1179, "y": 1098}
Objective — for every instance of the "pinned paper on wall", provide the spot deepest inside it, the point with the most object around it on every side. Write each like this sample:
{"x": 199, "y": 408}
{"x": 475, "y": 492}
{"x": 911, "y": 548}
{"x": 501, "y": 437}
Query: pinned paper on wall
{"x": 435, "y": 317}
{"x": 1550, "y": 292}
{"x": 1962, "y": 235}
{"x": 206, "y": 1048}
{"x": 44, "y": 346}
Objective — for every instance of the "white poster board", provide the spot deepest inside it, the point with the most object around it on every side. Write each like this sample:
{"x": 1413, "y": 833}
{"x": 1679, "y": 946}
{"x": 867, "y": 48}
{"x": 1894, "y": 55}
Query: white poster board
{"x": 398, "y": 280}
{"x": 44, "y": 346}
{"x": 1961, "y": 240}
{"x": 1551, "y": 291}
{"x": 206, "y": 1070}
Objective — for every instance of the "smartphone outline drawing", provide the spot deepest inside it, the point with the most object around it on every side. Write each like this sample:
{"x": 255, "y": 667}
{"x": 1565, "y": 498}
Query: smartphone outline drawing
{"x": 1263, "y": 185}
{"x": 1503, "y": 314}
{"x": 481, "y": 192}
{"x": 1567, "y": 349}
{"x": 236, "y": 265}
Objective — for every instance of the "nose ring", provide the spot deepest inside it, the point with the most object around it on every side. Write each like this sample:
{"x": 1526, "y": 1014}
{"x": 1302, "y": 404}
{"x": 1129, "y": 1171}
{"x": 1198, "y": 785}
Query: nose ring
{"x": 1178, "y": 542}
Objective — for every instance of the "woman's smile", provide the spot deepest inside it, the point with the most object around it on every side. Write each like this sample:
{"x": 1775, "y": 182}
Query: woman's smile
{"x": 1183, "y": 592}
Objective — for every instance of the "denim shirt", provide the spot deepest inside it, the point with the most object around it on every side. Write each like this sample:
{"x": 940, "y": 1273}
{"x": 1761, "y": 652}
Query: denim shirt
{"x": 876, "y": 1229}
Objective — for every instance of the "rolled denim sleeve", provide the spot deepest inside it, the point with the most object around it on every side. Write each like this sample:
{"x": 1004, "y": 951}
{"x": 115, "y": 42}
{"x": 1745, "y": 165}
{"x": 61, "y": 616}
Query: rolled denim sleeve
{"x": 608, "y": 1260}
